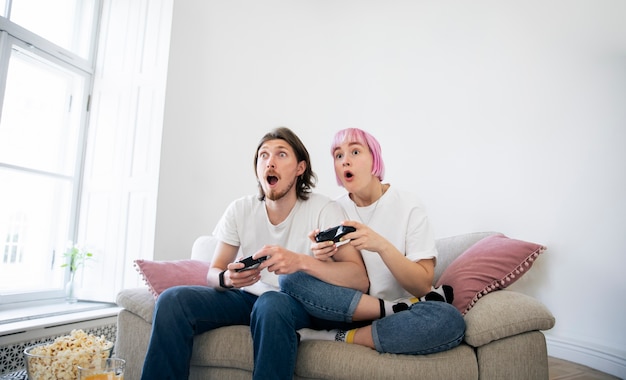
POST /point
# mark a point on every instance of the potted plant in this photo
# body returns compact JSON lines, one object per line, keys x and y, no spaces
{"x":75,"y":258}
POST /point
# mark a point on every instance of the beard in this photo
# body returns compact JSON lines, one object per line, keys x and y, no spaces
{"x":276,"y":194}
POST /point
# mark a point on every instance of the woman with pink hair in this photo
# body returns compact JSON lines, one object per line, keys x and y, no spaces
{"x":401,"y":313}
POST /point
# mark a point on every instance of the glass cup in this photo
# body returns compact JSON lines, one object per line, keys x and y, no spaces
{"x":105,"y":369}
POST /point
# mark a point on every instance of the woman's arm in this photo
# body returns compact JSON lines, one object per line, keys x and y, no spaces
{"x":414,"y":277}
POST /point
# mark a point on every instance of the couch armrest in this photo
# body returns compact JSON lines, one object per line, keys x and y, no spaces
{"x":502,"y":314}
{"x":138,"y":301}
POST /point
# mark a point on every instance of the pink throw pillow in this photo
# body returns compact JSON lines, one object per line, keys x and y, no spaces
{"x":493,"y":263}
{"x":160,"y":275}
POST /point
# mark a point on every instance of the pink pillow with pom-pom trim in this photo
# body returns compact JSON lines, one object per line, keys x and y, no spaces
{"x":493,"y":263}
{"x":160,"y":275}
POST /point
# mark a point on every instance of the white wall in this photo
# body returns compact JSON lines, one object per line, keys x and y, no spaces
{"x":501,"y":115}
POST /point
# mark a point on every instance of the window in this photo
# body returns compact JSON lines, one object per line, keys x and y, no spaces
{"x":46,"y":74}
{"x":80,"y":136}
{"x":66,"y":23}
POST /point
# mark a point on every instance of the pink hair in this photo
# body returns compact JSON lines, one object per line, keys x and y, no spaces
{"x":360,"y":136}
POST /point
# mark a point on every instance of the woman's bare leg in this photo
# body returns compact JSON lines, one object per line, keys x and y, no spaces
{"x":368,"y":309}
{"x":363,"y":337}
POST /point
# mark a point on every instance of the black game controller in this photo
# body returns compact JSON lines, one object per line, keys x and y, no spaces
{"x":334,"y":234}
{"x":250,"y":263}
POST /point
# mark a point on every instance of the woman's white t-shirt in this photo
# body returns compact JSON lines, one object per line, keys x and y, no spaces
{"x":401,"y":218}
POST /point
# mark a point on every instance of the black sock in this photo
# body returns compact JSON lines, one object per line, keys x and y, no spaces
{"x":444,"y":293}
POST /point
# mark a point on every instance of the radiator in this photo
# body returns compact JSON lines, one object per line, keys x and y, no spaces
{"x":12,"y":346}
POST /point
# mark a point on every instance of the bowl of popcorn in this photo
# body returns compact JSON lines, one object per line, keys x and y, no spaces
{"x":60,"y":359}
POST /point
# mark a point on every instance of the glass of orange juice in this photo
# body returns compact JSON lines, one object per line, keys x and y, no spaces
{"x":105,"y":369}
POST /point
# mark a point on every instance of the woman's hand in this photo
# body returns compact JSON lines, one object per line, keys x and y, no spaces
{"x":365,"y":238}
{"x":414,"y":277}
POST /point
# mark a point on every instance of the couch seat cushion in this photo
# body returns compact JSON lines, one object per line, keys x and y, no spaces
{"x":341,"y":361}
{"x":231,"y":347}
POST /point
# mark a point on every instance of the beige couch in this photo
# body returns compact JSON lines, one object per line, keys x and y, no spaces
{"x":503,"y":339}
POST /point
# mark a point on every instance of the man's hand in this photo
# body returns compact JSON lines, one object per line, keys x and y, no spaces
{"x":280,"y":260}
{"x":240,"y":279}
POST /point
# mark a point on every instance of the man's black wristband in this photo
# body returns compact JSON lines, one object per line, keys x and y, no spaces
{"x":222,"y":284}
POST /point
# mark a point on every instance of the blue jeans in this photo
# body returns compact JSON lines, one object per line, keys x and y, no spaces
{"x":425,"y":328}
{"x":185,"y":311}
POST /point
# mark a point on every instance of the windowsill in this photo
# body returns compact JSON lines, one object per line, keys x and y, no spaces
{"x":37,"y":314}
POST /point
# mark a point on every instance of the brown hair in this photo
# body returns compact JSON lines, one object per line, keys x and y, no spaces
{"x":306,"y":181}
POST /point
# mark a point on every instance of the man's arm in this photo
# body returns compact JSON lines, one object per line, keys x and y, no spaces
{"x":225,"y":255}
{"x":347,"y":269}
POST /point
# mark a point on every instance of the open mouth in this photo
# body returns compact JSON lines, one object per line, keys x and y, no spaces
{"x":272,"y":180}
{"x":348,"y":175}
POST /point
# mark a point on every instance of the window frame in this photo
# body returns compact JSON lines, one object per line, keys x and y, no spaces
{"x":118,"y":200}
{"x":67,"y":56}
{"x":12,"y":34}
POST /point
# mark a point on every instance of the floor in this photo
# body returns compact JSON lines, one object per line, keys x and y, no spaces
{"x":564,"y":370}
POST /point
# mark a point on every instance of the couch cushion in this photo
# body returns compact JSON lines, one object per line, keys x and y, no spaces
{"x":232,"y":347}
{"x":341,"y":361}
{"x":451,"y":247}
{"x":204,"y":247}
{"x":502,"y":314}
{"x":229,"y":346}
{"x":160,"y":275}
{"x":493,"y":263}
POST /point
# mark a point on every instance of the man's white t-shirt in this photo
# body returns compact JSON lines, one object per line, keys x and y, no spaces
{"x":245,"y":224}
{"x":401,"y":218}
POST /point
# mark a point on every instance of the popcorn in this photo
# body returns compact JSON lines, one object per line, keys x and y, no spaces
{"x":60,"y":359}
